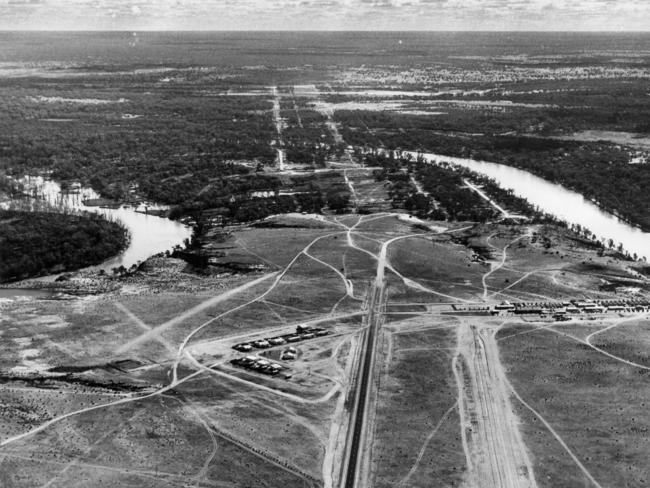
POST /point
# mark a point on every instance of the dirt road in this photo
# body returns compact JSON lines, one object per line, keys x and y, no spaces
{"x":482,"y":194}
{"x":497,"y":455}
{"x":279,"y":124}
{"x":357,"y":458}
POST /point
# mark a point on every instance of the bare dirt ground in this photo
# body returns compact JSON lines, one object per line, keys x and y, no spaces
{"x":491,"y":436}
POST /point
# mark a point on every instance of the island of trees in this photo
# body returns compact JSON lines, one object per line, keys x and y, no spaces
{"x":40,"y":243}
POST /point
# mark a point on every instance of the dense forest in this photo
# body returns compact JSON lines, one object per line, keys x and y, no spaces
{"x":40,"y":243}
{"x":254,"y":196}
{"x":306,"y":138}
{"x":448,"y":197}
{"x":166,"y":149}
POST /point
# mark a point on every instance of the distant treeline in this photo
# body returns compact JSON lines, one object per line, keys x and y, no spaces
{"x":168,"y":154}
{"x":40,"y":243}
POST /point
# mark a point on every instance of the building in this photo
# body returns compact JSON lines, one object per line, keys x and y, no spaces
{"x":616,"y":308}
{"x":504,"y":306}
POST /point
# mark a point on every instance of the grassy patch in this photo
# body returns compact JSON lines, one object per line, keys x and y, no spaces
{"x":596,"y":404}
{"x":410,"y":406}
{"x":630,"y":341}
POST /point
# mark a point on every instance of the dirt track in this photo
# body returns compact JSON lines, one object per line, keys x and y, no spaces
{"x":497,"y":456}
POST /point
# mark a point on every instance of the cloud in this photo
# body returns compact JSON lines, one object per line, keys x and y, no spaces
{"x":325,"y":14}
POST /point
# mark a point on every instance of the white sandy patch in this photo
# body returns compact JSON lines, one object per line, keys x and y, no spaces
{"x":133,"y":290}
{"x":631,"y":290}
{"x":51,"y":322}
{"x":414,"y":220}
{"x":495,"y":103}
{"x":29,"y":353}
{"x":429,"y":107}
{"x":311,"y":90}
{"x":399,"y":106}
{"x":420,"y":112}
{"x":30,"y":363}
{"x":305,"y":91}
{"x":410,"y":94}
{"x":80,"y":101}
{"x":638,"y":160}
{"x":372,"y":106}
{"x":309,"y":216}
{"x":57,"y":69}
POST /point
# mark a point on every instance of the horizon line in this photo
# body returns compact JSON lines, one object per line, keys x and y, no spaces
{"x":473,"y":31}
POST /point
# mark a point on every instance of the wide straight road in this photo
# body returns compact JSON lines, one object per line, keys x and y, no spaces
{"x":357,"y":444}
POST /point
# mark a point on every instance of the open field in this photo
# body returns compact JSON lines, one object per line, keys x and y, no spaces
{"x":417,"y":398}
{"x":628,"y":341}
{"x":593,"y":403}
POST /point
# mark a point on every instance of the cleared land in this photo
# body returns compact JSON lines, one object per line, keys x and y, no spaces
{"x":153,"y":361}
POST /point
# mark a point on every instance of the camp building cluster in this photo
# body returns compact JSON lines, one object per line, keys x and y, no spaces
{"x":564,"y":310}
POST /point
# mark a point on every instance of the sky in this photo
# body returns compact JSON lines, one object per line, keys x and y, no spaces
{"x":567,"y":15}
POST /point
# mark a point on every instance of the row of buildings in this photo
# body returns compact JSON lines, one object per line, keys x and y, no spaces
{"x":302,"y":333}
{"x":557,"y":310}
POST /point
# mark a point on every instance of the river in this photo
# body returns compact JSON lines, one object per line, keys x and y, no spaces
{"x":149,"y":234}
{"x":556,"y":200}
